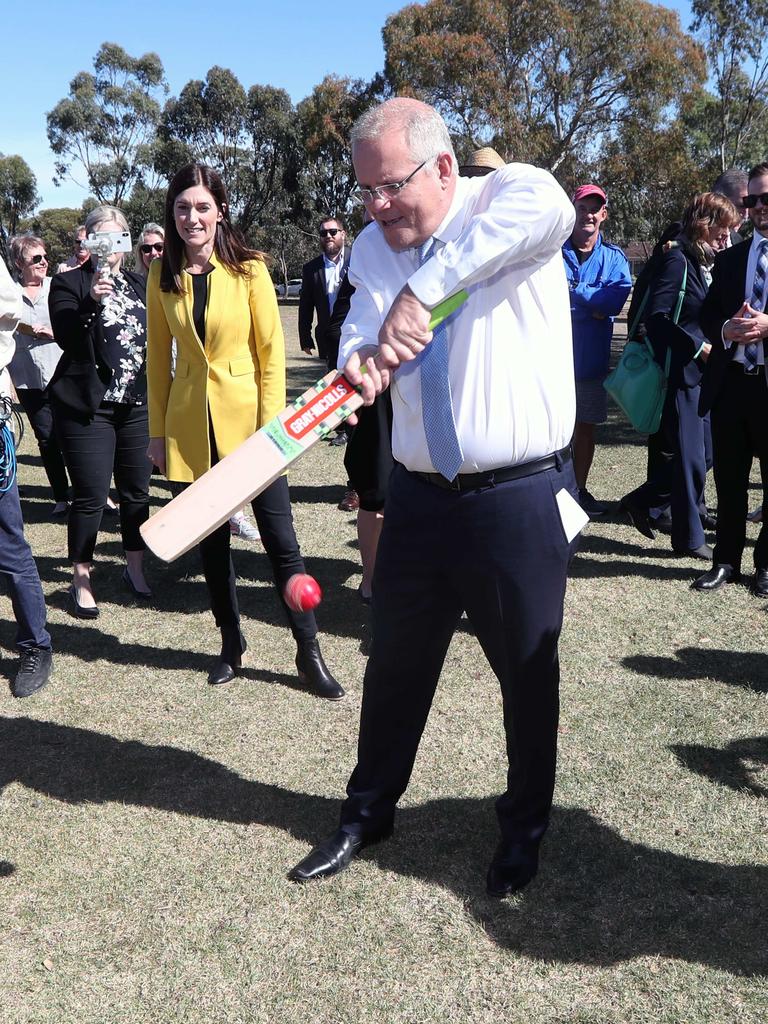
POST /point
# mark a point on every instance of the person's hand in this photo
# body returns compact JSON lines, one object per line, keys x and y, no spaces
{"x":746,"y":327}
{"x":363,"y":369}
{"x":156,"y":453}
{"x":405,"y":331}
{"x":102,"y":285}
{"x":43,"y":333}
{"x":705,"y":350}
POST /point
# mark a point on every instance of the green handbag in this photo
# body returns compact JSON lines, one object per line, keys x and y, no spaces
{"x":638,"y":385}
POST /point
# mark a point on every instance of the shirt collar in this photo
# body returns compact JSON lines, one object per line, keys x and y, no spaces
{"x":449,"y":229}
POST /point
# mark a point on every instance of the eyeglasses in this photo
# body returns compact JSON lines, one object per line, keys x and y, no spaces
{"x":80,"y":243}
{"x":751,"y":201}
{"x":147,"y":249}
{"x":389,"y":191}
{"x":324,"y":232}
{"x":39,"y":257}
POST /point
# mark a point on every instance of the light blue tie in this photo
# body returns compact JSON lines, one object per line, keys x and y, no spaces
{"x":436,"y":408}
{"x":756,"y":300}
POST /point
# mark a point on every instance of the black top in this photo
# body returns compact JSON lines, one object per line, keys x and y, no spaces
{"x":200,"y":301}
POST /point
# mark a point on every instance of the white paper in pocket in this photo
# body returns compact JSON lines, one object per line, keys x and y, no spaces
{"x":572,"y":515}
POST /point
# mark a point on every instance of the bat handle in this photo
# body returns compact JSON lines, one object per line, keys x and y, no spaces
{"x":448,"y":306}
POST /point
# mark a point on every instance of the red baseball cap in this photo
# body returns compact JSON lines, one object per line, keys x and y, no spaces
{"x":583,"y":191}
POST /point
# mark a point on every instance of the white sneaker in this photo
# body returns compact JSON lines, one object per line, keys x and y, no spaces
{"x":241,"y":526}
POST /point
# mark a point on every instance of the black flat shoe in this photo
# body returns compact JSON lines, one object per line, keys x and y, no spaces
{"x":230,"y":661}
{"x":314,"y":673}
{"x":145,"y":595}
{"x":512,"y":868}
{"x":704,"y":551}
{"x":78,"y":610}
{"x":717,"y":577}
{"x":638,"y":517}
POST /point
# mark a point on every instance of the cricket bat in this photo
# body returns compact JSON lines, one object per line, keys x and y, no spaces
{"x":243,"y":474}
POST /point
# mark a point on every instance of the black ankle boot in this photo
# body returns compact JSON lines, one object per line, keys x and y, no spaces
{"x":314,"y":673}
{"x":230,"y":660}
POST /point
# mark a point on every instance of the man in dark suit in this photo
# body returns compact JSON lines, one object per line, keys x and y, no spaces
{"x":734,"y":388}
{"x":320,"y":282}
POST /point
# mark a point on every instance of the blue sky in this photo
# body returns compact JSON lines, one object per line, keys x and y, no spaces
{"x":291,"y":44}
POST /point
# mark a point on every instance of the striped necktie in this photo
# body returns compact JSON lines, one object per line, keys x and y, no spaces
{"x":756,"y":301}
{"x":436,"y":406}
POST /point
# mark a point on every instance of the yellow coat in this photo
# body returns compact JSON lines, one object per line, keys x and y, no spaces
{"x":238,"y":375}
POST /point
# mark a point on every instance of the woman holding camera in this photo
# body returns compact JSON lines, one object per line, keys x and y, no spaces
{"x":99,"y":396}
{"x":215,"y":297}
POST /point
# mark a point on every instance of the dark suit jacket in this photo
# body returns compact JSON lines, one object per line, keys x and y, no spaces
{"x":684,"y":339}
{"x":314,"y":299}
{"x":84,"y":371}
{"x":724,"y":299}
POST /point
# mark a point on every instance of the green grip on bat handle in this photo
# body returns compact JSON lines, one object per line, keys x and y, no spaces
{"x":440,"y":312}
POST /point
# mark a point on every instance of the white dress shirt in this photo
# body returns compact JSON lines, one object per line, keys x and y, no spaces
{"x":510,"y":350}
{"x":333,"y":270}
{"x":738,"y":355}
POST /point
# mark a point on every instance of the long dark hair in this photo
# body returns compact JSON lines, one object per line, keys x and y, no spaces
{"x":229,"y":245}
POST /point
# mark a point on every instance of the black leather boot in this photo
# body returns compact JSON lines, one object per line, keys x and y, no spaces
{"x":230,"y":660}
{"x":314,"y":673}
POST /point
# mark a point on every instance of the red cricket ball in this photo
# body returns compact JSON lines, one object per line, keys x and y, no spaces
{"x":302,"y":593}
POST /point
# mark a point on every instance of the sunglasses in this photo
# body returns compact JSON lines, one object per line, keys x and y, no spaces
{"x":324,"y":232}
{"x":147,"y":249}
{"x":751,"y":201}
{"x":40,"y":257}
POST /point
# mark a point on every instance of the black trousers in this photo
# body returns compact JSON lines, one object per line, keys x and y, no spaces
{"x":739,"y":432}
{"x":680,"y":468}
{"x":501,"y":554}
{"x":113,"y":440}
{"x":37,"y":405}
{"x":272,"y":511}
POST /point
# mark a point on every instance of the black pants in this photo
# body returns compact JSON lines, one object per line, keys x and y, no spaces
{"x":272,"y":510}
{"x":115,"y":440}
{"x":37,"y":405}
{"x":739,"y":432}
{"x":502,"y":555}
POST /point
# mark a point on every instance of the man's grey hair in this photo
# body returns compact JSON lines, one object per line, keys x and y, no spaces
{"x":733,"y":184}
{"x":425,"y":131}
{"x":101,"y":215}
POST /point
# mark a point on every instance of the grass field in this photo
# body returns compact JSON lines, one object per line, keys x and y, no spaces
{"x":147,"y":820}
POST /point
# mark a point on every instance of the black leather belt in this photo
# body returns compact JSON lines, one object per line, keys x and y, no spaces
{"x":491,"y":477}
{"x":748,"y":371}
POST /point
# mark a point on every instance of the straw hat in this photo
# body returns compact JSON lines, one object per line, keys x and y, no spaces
{"x":482,"y":161}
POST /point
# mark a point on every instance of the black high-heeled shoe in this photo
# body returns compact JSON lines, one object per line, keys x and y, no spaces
{"x":230,"y":660}
{"x":144,"y":595}
{"x":78,"y":610}
{"x":314,"y":673}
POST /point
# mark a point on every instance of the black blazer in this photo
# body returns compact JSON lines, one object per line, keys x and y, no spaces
{"x":314,"y":299}
{"x":84,"y":371}
{"x":683,"y":339}
{"x":724,"y":298}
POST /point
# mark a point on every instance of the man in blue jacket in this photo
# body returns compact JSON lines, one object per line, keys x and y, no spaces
{"x":599,"y":279}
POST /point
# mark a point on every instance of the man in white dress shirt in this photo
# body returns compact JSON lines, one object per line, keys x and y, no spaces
{"x":481,"y":511}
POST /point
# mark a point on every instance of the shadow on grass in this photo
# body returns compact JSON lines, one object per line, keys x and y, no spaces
{"x":589,"y":568}
{"x":748,"y":669}
{"x":599,"y":899}
{"x":734,"y":766}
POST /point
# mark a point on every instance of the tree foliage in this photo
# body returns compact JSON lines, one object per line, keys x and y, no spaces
{"x":18,"y":192}
{"x":540,"y":84}
{"x":734,"y":34}
{"x":107,"y":124}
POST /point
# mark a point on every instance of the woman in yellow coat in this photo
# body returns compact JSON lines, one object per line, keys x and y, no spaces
{"x":214,"y":296}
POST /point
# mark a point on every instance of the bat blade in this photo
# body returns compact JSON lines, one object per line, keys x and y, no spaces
{"x":242,"y":475}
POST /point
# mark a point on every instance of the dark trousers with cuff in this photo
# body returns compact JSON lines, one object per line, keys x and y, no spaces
{"x":37,"y":405}
{"x":115,"y":440}
{"x":19,"y":574}
{"x":499,"y":553}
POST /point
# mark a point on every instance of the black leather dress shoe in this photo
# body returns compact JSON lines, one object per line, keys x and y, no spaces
{"x":328,"y":858}
{"x":638,"y":517}
{"x":704,"y":551}
{"x":708,"y":521}
{"x":717,"y":577}
{"x":760,"y":583}
{"x":512,"y":868}
{"x":314,"y":673}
